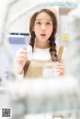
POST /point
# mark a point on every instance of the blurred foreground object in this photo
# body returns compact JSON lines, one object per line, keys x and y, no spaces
{"x":74,"y":42}
{"x":43,"y":96}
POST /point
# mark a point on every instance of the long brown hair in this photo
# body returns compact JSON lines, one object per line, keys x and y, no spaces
{"x":52,"y":43}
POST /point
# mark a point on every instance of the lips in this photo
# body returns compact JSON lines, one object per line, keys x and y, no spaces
{"x":43,"y":34}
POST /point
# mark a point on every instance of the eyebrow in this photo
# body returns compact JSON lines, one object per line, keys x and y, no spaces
{"x":41,"y":19}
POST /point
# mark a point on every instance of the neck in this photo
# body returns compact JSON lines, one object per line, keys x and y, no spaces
{"x":43,"y":45}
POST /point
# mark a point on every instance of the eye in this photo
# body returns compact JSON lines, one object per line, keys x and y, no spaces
{"x":39,"y":23}
{"x":48,"y":23}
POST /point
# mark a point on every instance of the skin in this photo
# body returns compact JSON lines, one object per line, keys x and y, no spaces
{"x":43,"y":29}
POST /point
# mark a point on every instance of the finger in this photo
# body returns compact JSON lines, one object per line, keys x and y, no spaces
{"x":21,"y":51}
{"x":60,"y":72}
{"x":21,"y":58}
{"x":22,"y":55}
{"x":59,"y":66}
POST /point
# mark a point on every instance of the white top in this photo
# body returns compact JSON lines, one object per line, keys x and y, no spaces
{"x":44,"y":54}
{"x":41,"y":54}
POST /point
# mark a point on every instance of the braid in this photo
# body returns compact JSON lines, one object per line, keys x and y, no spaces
{"x":53,"y":50}
{"x":32,"y":40}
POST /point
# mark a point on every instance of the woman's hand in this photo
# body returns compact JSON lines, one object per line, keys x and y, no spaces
{"x":21,"y":58}
{"x":60,"y":69}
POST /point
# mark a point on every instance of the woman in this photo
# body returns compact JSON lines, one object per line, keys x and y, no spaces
{"x":43,"y":28}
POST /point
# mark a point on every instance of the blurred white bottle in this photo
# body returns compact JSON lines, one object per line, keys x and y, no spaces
{"x":29,"y":52}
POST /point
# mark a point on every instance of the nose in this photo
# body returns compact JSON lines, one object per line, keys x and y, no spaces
{"x":43,"y":27}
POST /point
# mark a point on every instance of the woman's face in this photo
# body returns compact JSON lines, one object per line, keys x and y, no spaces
{"x":43,"y":26}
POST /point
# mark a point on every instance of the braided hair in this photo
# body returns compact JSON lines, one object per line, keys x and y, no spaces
{"x":52,"y":43}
